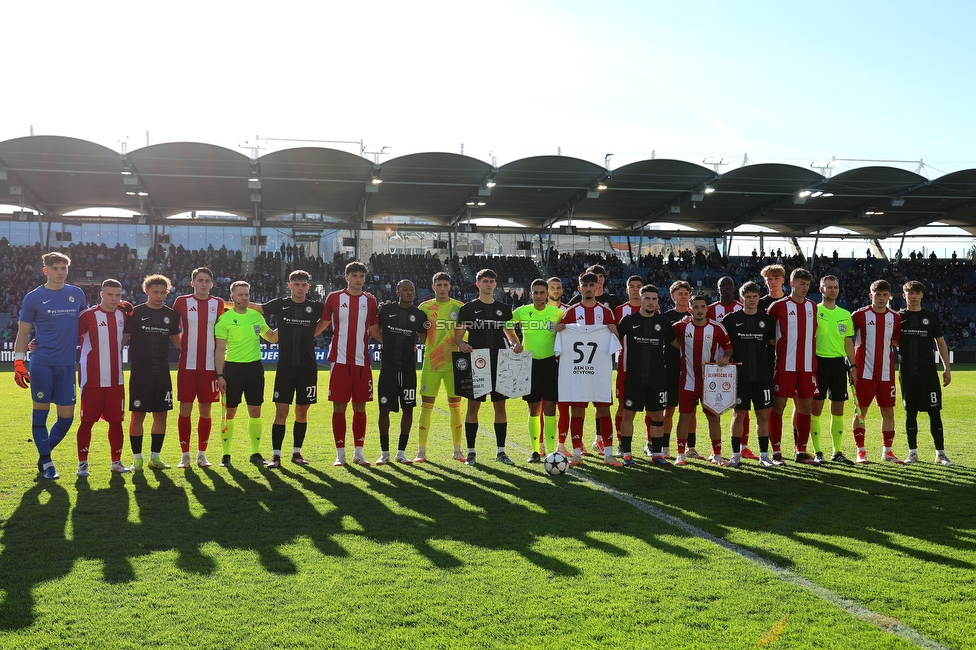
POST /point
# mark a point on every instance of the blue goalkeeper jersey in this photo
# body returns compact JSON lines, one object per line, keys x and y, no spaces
{"x":54,"y":314}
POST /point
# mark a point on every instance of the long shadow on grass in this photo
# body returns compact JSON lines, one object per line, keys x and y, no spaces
{"x":879,"y":505}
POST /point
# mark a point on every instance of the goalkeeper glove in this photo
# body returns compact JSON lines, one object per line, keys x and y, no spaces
{"x":126,"y":307}
{"x":21,"y":376}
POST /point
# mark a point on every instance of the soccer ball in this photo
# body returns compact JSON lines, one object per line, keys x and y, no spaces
{"x":556,"y":463}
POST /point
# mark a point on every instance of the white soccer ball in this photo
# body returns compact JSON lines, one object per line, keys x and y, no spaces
{"x":556,"y":463}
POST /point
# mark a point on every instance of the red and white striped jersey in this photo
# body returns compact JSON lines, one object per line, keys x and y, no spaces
{"x":875,"y":334}
{"x":717,"y":311}
{"x":699,"y":345}
{"x":351,"y":317}
{"x":197,"y":318}
{"x":595,"y":315}
{"x":101,"y":348}
{"x":796,"y":324}
{"x":625,"y":309}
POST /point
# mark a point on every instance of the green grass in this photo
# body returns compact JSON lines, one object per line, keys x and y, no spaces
{"x":443,"y":555}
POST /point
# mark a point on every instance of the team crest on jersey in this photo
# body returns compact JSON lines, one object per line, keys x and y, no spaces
{"x":657,"y":328}
{"x":454,"y":315}
{"x":413,"y":319}
{"x":498,"y":312}
{"x":925,"y":321}
{"x":842,"y":328}
{"x":71,"y":298}
{"x":257,"y":330}
{"x":762,"y":325}
{"x":308,"y":310}
{"x":166,"y":319}
{"x":550,"y":326}
{"x":362,"y":306}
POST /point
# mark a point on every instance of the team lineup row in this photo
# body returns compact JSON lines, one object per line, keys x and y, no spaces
{"x":783,"y":345}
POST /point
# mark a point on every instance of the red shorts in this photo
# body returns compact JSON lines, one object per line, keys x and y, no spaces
{"x":197,"y":386}
{"x":102,"y":403}
{"x":618,"y":391}
{"x":870,"y":389}
{"x":788,"y":383}
{"x":350,"y":383}
{"x":688,"y":400}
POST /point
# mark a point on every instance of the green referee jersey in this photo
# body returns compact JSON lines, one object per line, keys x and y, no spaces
{"x":538,"y":329}
{"x":242,"y":333}
{"x":833,"y":326}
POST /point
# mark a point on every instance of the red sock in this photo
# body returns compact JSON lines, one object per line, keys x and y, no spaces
{"x":203,"y":427}
{"x":717,"y":447}
{"x":647,"y":425}
{"x":339,"y":429}
{"x":115,"y":440}
{"x":84,"y":440}
{"x":859,"y":437}
{"x":359,"y":428}
{"x":745,"y":430}
{"x":576,"y":432}
{"x":775,"y":430}
{"x":606,"y":431}
{"x":562,"y":421}
{"x":183,"y":430}
{"x":802,"y":431}
{"x":617,"y":421}
{"x":889,"y":438}
{"x":682,"y":443}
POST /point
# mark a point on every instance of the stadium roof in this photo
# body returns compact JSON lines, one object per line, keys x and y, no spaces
{"x":56,"y":175}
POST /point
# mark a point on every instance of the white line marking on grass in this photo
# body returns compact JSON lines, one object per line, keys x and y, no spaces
{"x":882,"y":622}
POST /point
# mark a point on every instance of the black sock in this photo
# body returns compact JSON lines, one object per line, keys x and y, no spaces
{"x":402,"y":443}
{"x":692,"y":438}
{"x":156,"y":445}
{"x":657,"y":445}
{"x":736,"y":444}
{"x":763,"y":444}
{"x":625,"y":444}
{"x":135,"y":442}
{"x":665,"y":441}
{"x":935,"y":421}
{"x":501,"y":432}
{"x":298,"y":430}
{"x":471,"y":433}
{"x":911,"y":428}
{"x":385,"y":442}
{"x":277,"y":436}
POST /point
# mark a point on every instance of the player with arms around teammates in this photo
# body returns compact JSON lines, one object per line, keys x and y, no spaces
{"x":149,"y":332}
{"x":488,"y":325}
{"x":100,"y":373}
{"x":877,"y":329}
{"x":52,"y":309}
{"x":351,"y":313}
{"x":400,"y":324}
{"x":196,"y":378}
{"x":296,"y":378}
{"x":647,"y":335}
{"x":539,"y":322}
{"x":442,"y":315}
{"x":921,"y":390}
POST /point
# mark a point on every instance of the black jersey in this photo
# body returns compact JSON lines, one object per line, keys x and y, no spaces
{"x":648,"y":341}
{"x":485,"y":323}
{"x":768,"y":300}
{"x":296,"y":323}
{"x":751,"y":337}
{"x":149,"y":333}
{"x":400,"y":326}
{"x":919,"y":329}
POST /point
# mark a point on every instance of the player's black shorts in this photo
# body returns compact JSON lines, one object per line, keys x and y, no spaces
{"x":673,"y":379}
{"x":544,"y":383}
{"x":245,"y":379}
{"x":832,"y":378}
{"x":397,"y":388}
{"x":645,"y":397}
{"x":296,"y":383}
{"x":758,"y":394}
{"x":150,"y":392}
{"x":921,"y":392}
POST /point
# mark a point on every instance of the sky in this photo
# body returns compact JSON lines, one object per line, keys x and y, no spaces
{"x":790,"y":82}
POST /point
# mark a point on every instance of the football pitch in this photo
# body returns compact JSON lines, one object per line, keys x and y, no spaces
{"x":443,"y":555}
